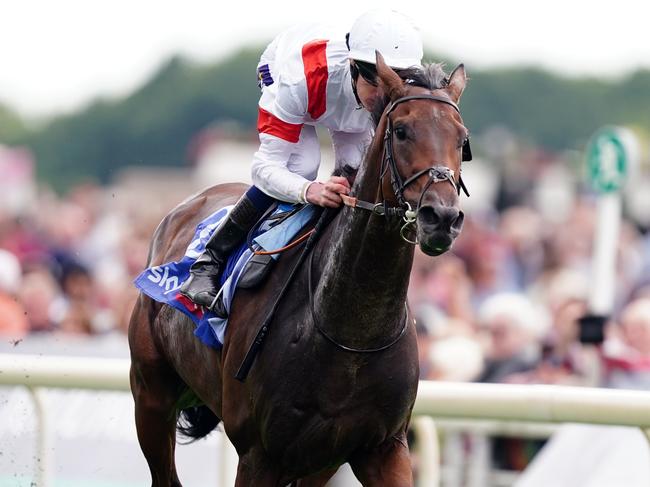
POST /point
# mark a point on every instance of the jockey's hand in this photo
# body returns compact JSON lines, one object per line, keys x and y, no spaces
{"x":328,"y":193}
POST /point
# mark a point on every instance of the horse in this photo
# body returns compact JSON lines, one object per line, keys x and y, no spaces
{"x":337,"y":377}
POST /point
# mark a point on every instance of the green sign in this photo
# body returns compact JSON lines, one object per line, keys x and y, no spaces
{"x":607,"y":160}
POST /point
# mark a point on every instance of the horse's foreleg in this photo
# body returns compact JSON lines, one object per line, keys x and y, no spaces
{"x":317,"y":480}
{"x":255,"y":470}
{"x":388,"y":465}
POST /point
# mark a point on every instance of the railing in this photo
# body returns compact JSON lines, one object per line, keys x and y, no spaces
{"x":488,"y":404}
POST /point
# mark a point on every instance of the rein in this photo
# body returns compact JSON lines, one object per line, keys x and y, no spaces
{"x":268,"y":215}
{"x":331,"y":339}
{"x":436,"y":173}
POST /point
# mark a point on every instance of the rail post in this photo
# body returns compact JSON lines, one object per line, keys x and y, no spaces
{"x":44,"y":446}
{"x":428,"y":451}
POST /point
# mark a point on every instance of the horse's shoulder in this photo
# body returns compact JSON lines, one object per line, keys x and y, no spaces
{"x":175,"y":230}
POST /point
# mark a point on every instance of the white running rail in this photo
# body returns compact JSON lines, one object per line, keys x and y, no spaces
{"x":499,"y":403}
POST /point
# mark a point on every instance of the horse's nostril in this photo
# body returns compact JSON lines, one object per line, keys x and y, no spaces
{"x":441,"y":217}
{"x":457,"y":224}
{"x":428,"y":215}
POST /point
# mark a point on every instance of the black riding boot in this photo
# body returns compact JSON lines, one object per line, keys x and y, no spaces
{"x":203,"y":284}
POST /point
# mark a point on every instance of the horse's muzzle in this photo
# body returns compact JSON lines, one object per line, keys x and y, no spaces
{"x":437,"y":227}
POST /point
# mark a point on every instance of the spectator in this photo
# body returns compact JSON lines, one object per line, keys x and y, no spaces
{"x":440,"y":290}
{"x":74,"y":309}
{"x":565,"y":360}
{"x":38,"y":293}
{"x":455,"y":358}
{"x":522,"y":229}
{"x":627,"y":350}
{"x":489,"y":261}
{"x":514,"y":327}
{"x":13,"y":322}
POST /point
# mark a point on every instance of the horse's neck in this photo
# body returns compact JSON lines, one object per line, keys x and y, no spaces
{"x":361,"y":293}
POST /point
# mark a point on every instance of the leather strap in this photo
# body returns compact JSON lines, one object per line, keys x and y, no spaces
{"x":353,"y":202}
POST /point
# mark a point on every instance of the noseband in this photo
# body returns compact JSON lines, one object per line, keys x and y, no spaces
{"x":436,"y":173}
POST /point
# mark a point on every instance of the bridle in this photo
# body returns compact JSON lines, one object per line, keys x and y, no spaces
{"x":436,"y":173}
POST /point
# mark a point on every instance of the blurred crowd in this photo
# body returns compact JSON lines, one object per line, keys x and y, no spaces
{"x":510,"y":297}
{"x":66,"y":263}
{"x":503,"y":306}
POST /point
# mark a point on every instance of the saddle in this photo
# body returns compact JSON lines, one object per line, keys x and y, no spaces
{"x":162,"y":282}
{"x":259,"y":266}
{"x":250,"y":264}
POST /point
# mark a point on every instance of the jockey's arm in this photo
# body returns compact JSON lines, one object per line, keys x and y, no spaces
{"x":270,"y":174}
{"x":270,"y":171}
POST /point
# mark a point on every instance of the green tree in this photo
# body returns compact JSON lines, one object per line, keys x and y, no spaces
{"x":154,"y":124}
{"x":12,"y":127}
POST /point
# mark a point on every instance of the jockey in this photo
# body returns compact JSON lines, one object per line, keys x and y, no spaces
{"x":309,"y":75}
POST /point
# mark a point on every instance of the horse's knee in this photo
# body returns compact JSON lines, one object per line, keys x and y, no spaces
{"x":255,"y":469}
{"x":316,"y":480}
{"x":388,"y":465}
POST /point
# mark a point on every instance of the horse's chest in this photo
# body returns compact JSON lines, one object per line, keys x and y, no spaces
{"x":322,"y":412}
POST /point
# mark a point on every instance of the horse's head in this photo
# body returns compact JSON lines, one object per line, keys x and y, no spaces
{"x":425,"y":143}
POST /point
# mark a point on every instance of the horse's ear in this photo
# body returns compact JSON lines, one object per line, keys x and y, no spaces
{"x":393,"y":84}
{"x":457,"y":82}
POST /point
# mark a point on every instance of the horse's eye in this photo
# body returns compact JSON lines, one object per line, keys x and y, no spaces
{"x":400,"y":133}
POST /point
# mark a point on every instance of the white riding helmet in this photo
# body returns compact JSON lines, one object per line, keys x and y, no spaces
{"x":391,"y":33}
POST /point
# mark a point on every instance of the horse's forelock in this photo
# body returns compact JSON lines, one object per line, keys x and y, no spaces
{"x":431,"y":76}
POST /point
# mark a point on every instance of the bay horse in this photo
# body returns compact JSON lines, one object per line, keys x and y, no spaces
{"x":337,"y":377}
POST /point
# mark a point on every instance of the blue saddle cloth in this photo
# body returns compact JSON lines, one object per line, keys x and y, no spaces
{"x":162,"y":283}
